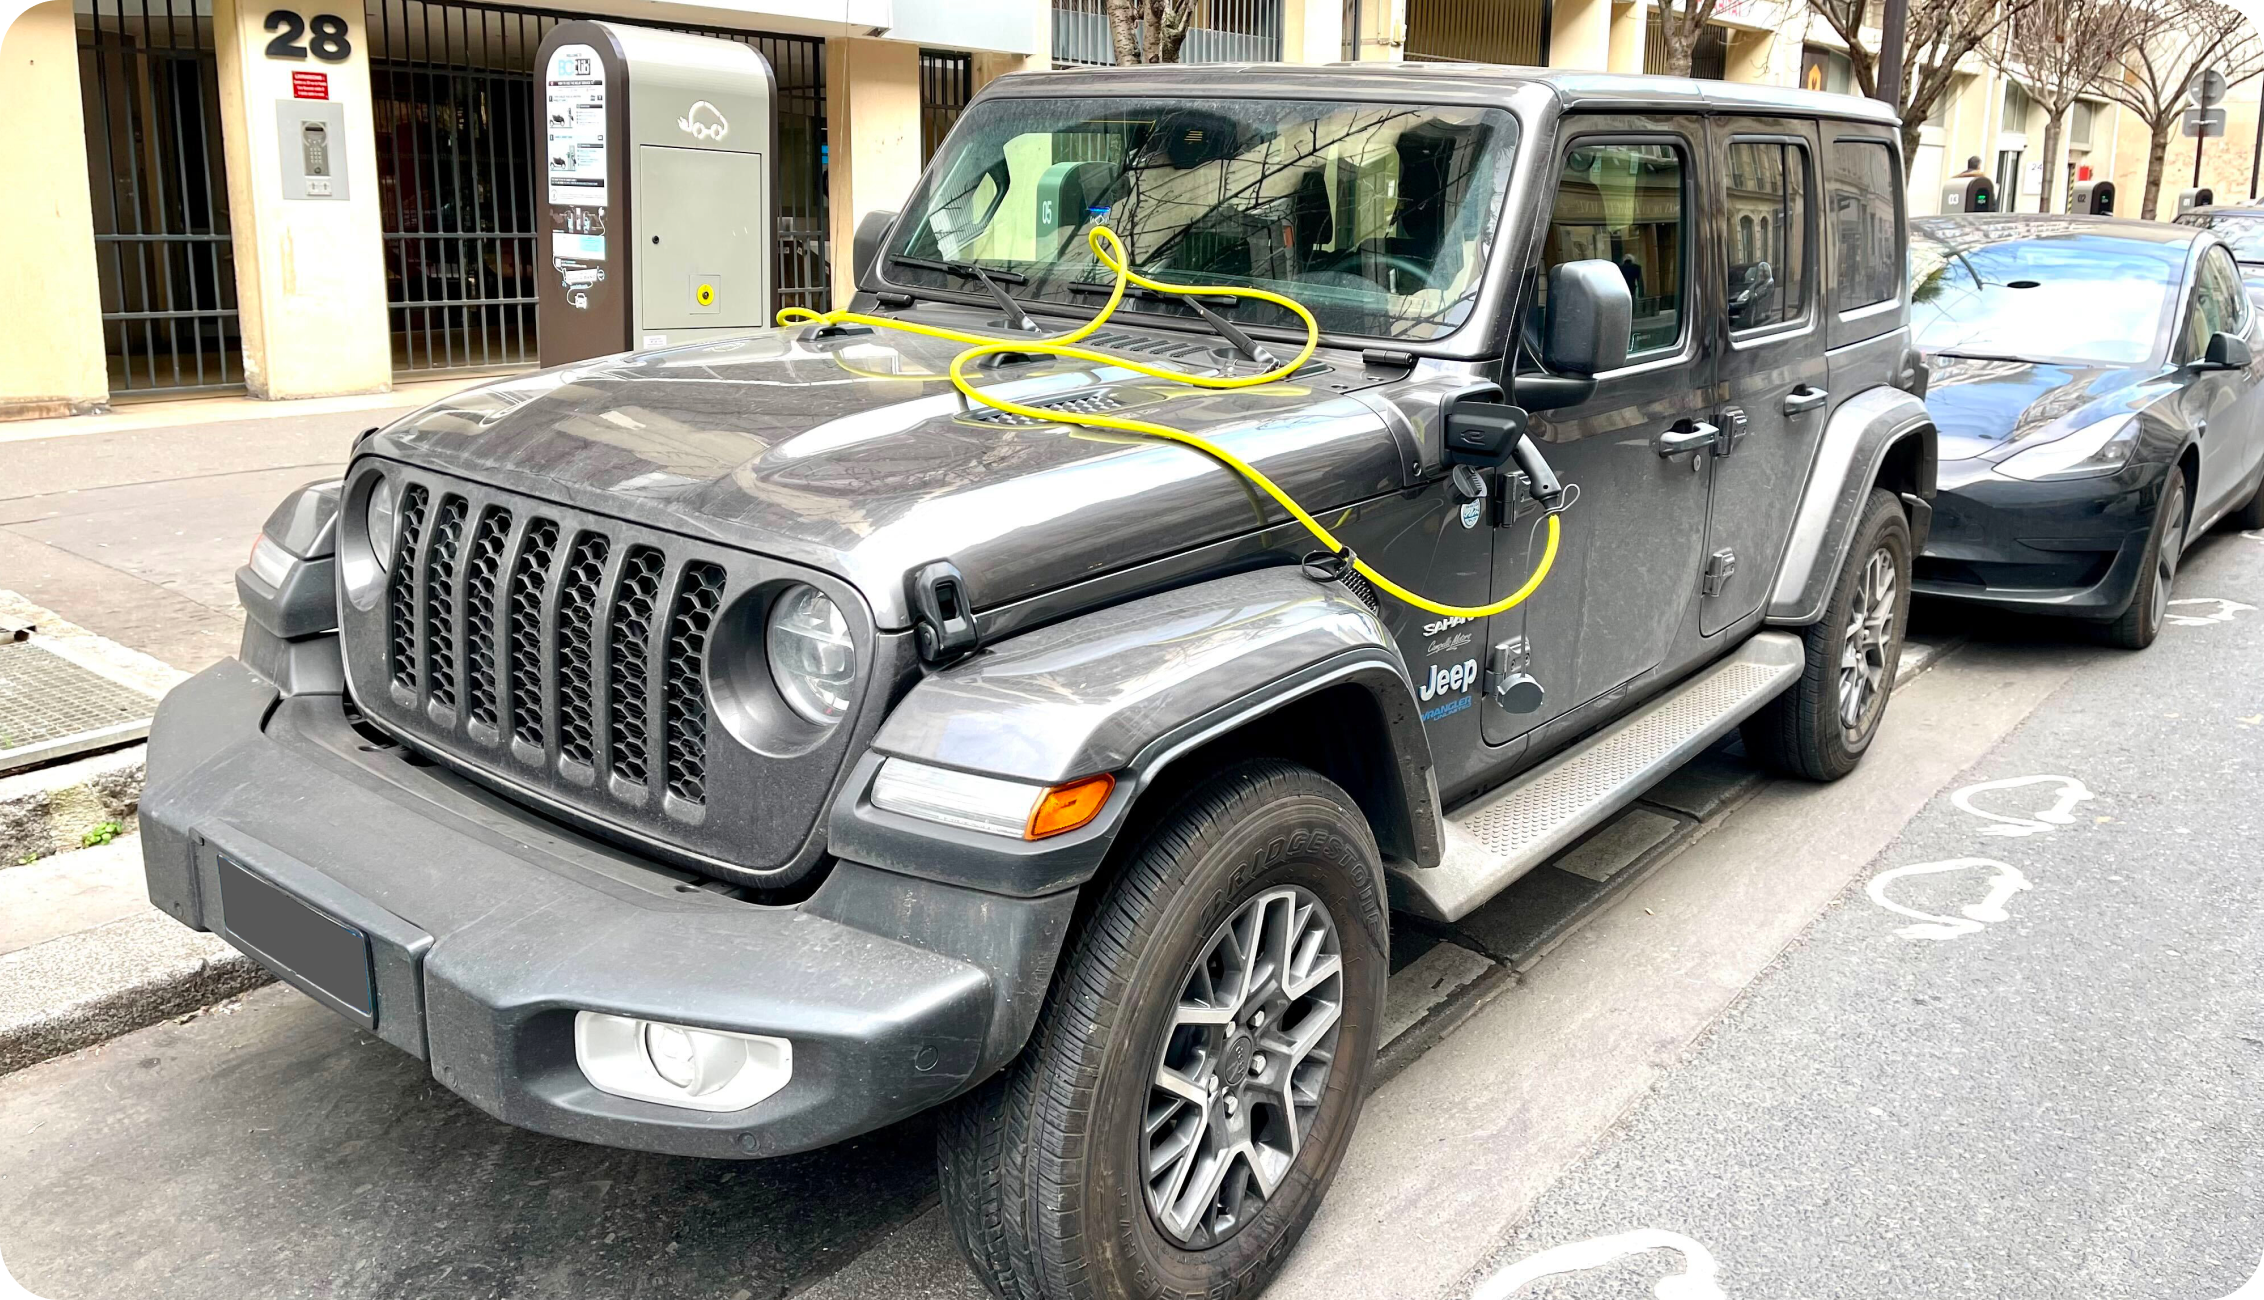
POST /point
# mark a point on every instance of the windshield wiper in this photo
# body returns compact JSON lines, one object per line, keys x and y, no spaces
{"x":1016,"y":318}
{"x":1225,"y":328}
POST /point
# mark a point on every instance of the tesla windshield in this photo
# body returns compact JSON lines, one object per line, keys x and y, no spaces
{"x":2076,"y":295}
{"x":1376,"y":216}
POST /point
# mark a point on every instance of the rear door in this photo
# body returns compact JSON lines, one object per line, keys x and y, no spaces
{"x":1628,"y":190}
{"x":1772,"y":370}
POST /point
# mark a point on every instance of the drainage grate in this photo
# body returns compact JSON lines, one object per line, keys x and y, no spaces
{"x":52,"y":708}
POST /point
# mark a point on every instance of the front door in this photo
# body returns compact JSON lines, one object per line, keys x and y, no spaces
{"x":1772,"y":368}
{"x":1627,"y":190}
{"x":2221,"y":404}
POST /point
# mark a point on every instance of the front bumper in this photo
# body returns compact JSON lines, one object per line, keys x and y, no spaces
{"x":489,"y":928}
{"x":2073,"y":546}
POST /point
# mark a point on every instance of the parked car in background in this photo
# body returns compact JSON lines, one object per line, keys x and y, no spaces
{"x":2241,"y":226}
{"x":2096,"y":389}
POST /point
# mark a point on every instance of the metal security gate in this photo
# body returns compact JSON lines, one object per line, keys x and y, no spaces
{"x":453,"y":92}
{"x":1479,"y":31}
{"x":150,"y":86}
{"x":947,"y":82}
{"x":1224,"y":31}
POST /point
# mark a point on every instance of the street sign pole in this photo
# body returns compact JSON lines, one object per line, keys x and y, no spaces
{"x":2256,"y":156}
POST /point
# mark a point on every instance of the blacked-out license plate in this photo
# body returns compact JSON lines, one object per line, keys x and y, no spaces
{"x":331,"y":956}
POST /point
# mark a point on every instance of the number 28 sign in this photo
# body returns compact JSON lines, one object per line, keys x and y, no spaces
{"x":292,"y":40}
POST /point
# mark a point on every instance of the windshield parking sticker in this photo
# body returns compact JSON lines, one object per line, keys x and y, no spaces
{"x":2071,"y":793}
{"x":2007,"y":881}
{"x":2204,"y":610}
{"x":1696,"y":1281}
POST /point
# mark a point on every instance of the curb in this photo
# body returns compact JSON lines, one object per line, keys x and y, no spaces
{"x":52,"y":809}
{"x":87,"y":988}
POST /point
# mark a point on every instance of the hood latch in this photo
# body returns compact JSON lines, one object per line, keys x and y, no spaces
{"x":943,"y":615}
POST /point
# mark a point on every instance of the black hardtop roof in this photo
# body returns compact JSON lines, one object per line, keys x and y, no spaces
{"x":2226,"y":210}
{"x":2043,"y":225}
{"x":1464,"y":82}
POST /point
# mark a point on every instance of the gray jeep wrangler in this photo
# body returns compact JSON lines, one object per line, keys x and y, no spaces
{"x":728,"y":749}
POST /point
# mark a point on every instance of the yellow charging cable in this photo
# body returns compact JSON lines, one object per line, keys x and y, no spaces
{"x":1110,"y":251}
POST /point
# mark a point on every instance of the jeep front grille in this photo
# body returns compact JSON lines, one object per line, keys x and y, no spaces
{"x":608,"y":671}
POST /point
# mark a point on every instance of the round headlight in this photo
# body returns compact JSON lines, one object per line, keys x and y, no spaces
{"x":381,"y":521}
{"x":811,"y":656}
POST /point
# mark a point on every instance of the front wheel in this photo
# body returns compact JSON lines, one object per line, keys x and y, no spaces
{"x":1194,"y":1078}
{"x":2165,"y":546}
{"x":1821,"y":725}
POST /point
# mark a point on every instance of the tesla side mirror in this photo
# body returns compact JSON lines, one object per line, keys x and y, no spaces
{"x":864,"y":246}
{"x":2225,"y":352}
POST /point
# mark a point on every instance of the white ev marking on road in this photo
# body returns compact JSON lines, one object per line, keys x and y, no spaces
{"x":2072,"y":792}
{"x":2222,"y":613}
{"x":2254,"y":1290}
{"x":1696,"y":1282}
{"x":1991,"y":909}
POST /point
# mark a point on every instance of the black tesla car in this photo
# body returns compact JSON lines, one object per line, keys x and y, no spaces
{"x":2098,"y":394}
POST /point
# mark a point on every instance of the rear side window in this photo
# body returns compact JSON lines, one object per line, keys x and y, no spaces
{"x":1864,"y":186}
{"x":1624,"y":202}
{"x":1766,"y":232}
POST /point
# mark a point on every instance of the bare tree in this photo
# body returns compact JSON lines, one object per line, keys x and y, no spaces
{"x":1682,"y":22}
{"x":1941,"y":33}
{"x":2058,"y":50}
{"x":1149,"y":31}
{"x":2180,"y":40}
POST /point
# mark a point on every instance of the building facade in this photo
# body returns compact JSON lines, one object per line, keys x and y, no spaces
{"x":146,"y":171}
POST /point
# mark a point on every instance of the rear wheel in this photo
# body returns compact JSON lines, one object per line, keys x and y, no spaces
{"x":1195,"y":1076}
{"x":1821,"y":725}
{"x":2165,"y":546}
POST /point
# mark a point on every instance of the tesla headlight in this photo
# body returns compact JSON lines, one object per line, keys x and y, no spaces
{"x":381,"y":521}
{"x":812,"y":659}
{"x":2101,"y":447}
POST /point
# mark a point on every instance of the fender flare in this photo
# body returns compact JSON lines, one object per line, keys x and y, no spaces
{"x":1861,"y":433}
{"x":1129,"y":690}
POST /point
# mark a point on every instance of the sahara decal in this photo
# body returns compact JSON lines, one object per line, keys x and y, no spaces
{"x":1433,"y":629}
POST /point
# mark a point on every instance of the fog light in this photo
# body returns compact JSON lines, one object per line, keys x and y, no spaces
{"x":678,"y":1065}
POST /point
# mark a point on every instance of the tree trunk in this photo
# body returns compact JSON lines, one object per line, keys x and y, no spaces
{"x":1681,"y":45}
{"x":2157,"y":145}
{"x":1124,"y":31}
{"x":2054,"y":196}
{"x":1910,"y":148}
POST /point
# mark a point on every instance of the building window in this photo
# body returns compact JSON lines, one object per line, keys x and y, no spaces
{"x":1709,"y":59}
{"x":1824,"y":68}
{"x":1224,"y":31}
{"x":1476,"y":31}
{"x":947,"y":82}
{"x":2017,"y":106}
{"x":2008,"y":180}
{"x":2079,"y":124}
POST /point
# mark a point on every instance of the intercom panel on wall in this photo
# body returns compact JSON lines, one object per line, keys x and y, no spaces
{"x":310,"y":137}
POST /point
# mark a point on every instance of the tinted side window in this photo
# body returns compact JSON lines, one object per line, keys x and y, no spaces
{"x":1766,"y":232}
{"x":1624,"y":203}
{"x":1864,"y":184}
{"x":2217,"y":305}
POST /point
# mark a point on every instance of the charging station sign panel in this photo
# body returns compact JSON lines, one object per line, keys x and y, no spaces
{"x":574,"y":94}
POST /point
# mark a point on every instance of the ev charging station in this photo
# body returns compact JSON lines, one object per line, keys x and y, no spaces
{"x":659,"y":190}
{"x":2199,"y":197}
{"x":2096,"y":198}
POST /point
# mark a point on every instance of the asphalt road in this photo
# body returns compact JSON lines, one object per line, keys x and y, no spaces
{"x":2062,"y":1098}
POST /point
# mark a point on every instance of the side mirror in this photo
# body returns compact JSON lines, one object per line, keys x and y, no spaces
{"x":1591,"y":311}
{"x":864,"y":247}
{"x":2225,"y":352}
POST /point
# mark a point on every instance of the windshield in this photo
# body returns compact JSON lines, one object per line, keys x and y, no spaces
{"x":2025,"y":292}
{"x":1375,"y":216}
{"x":2245,"y":234}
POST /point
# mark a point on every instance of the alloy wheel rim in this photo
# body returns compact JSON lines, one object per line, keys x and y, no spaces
{"x":1869,"y":640}
{"x":2166,"y":555}
{"x":1244,"y":1065}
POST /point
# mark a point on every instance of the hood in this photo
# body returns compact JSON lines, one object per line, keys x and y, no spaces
{"x":856,"y":455}
{"x":1986,"y":407}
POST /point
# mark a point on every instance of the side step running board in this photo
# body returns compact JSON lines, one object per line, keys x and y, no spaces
{"x":1506,"y":833}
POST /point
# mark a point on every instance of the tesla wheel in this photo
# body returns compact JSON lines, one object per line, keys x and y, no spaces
{"x":2165,"y":546}
{"x":1195,"y":1075}
{"x":1821,"y":725}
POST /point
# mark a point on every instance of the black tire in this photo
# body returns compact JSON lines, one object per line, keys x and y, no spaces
{"x":1043,"y":1169}
{"x":2165,"y":546}
{"x":1802,"y":732}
